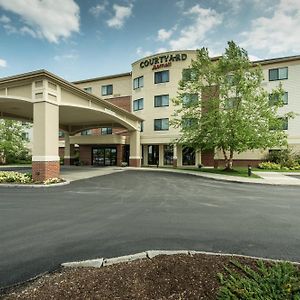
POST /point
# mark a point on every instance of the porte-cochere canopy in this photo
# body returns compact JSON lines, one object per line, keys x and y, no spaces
{"x":50,"y":103}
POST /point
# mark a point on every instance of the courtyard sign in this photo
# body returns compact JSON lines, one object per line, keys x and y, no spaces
{"x":162,"y":61}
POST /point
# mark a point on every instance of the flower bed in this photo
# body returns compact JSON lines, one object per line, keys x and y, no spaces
{"x":24,"y":178}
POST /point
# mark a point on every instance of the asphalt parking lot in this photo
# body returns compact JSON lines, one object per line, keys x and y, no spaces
{"x":132,"y":211}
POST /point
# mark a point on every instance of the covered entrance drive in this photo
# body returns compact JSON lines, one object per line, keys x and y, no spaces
{"x":51,"y":103}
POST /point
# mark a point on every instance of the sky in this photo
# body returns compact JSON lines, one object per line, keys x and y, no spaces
{"x":79,"y":39}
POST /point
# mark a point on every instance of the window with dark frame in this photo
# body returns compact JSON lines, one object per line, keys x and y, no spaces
{"x":189,"y":99}
{"x":161,"y":124}
{"x":106,"y":130}
{"x":88,"y":89}
{"x":161,"y":77}
{"x":273,"y":99}
{"x":278,"y":74}
{"x":107,"y":90}
{"x":138,"y":104}
{"x":138,"y":82}
{"x":161,"y":100}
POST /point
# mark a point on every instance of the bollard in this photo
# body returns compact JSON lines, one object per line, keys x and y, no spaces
{"x":249,"y":170}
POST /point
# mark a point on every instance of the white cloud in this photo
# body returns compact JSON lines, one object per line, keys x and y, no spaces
{"x":278,"y":33}
{"x":4,"y":19}
{"x":121,"y":13}
{"x":163,"y":34}
{"x":3,"y":63}
{"x":98,"y":9}
{"x":69,"y":56}
{"x":180,"y":4}
{"x":44,"y":18}
{"x":203,"y":20}
{"x":141,"y":53}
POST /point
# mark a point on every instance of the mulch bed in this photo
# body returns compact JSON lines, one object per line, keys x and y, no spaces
{"x":163,"y":277}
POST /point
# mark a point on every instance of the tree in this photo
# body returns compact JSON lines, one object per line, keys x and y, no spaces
{"x":221,"y":105}
{"x":13,"y":141}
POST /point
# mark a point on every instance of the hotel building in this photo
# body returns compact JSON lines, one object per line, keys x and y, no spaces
{"x":147,"y":91}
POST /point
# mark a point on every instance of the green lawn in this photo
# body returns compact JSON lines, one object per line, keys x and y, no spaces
{"x":239,"y":172}
{"x":283,"y":171}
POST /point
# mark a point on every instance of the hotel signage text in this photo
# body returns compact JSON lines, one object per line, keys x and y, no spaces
{"x":162,"y":61}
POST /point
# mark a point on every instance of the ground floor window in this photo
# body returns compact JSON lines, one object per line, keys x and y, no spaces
{"x":153,"y":154}
{"x":188,"y":156}
{"x":104,"y":156}
{"x":168,"y":154}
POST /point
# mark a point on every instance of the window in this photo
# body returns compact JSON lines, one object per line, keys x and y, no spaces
{"x":189,"y":122}
{"x":168,"y":154}
{"x":161,"y":124}
{"x":160,"y":77}
{"x":273,"y":99}
{"x":161,"y":100}
{"x":106,"y":130}
{"x":88,"y":89}
{"x":280,"y":124}
{"x":153,"y":155}
{"x":188,"y":74}
{"x":138,"y":82}
{"x":107,"y":90}
{"x":189,"y":99}
{"x":188,"y":156}
{"x":138,"y":104}
{"x":142,"y":126}
{"x":278,"y":74}
{"x":25,"y":136}
{"x":86,"y":132}
{"x":232,"y":102}
{"x":61,"y":134}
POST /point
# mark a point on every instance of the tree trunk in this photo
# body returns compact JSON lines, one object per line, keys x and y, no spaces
{"x":229,"y":162}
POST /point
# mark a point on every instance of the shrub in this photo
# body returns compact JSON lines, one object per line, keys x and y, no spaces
{"x":15,"y":177}
{"x":280,"y":281}
{"x":285,"y":157}
{"x":267,"y":165}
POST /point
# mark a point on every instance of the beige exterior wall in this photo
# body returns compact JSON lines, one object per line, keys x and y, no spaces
{"x":121,"y":86}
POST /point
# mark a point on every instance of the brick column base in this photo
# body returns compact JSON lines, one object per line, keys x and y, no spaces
{"x":134,"y":162}
{"x":43,"y":170}
{"x":174,"y":162}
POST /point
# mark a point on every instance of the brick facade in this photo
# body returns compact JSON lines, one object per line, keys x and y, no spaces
{"x":240,"y":162}
{"x":134,"y":162}
{"x":207,"y":158}
{"x":85,"y":155}
{"x":122,"y":102}
{"x":43,"y":170}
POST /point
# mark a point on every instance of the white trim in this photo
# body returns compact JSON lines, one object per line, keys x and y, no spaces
{"x":134,"y":157}
{"x":45,"y":158}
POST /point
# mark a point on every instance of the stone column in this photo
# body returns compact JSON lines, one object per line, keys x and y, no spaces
{"x":161,"y":155}
{"x":45,"y":158}
{"x":179,"y":156}
{"x":145,"y":155}
{"x":135,"y":149}
{"x":174,"y":156}
{"x":67,"y":155}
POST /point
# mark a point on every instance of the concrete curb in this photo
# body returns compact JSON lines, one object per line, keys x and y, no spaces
{"x":149,"y":254}
{"x":12,"y":185}
{"x":215,"y":177}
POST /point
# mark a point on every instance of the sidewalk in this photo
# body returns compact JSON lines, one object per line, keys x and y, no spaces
{"x":269,"y":178}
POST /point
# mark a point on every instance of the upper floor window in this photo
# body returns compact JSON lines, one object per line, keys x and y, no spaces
{"x":87,"y":89}
{"x":25,"y":136}
{"x":161,"y":124}
{"x":273,"y":99}
{"x":162,"y":76}
{"x":161,"y":100}
{"x":278,"y":74}
{"x":138,"y":104}
{"x":189,"y":99}
{"x":107,"y":90}
{"x":188,"y":74}
{"x":86,"y":132}
{"x":138,"y":82}
{"x":106,"y":130}
{"x":61,"y":134}
{"x":281,"y":124}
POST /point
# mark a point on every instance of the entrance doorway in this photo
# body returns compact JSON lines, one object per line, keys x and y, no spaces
{"x":153,"y":154}
{"x":104,"y":156}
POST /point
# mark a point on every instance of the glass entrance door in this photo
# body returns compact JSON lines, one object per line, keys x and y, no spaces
{"x":105,"y":156}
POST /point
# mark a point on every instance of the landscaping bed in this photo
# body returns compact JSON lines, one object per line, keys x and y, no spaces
{"x":163,"y":277}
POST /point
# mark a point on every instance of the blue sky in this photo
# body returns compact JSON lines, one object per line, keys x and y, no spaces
{"x":79,"y":39}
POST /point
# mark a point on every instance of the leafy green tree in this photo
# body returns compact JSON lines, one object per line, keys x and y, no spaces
{"x":13,"y":141}
{"x":221,"y":105}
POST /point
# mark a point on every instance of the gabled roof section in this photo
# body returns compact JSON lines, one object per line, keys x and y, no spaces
{"x":102,"y":78}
